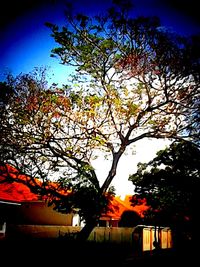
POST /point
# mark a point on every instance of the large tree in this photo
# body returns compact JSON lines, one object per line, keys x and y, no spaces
{"x":133,"y":79}
{"x":170,"y":185}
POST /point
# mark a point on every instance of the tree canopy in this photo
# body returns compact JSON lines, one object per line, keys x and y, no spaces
{"x":133,"y":79}
{"x":129,"y":218}
{"x":170,"y":185}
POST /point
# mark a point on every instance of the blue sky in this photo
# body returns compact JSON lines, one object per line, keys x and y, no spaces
{"x":26,"y":42}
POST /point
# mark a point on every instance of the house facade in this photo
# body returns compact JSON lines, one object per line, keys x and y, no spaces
{"x":19,"y":206}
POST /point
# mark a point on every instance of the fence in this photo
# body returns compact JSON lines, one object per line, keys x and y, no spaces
{"x":141,"y":237}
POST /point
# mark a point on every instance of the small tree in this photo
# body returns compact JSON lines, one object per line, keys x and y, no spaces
{"x":133,"y":80}
{"x":170,"y":184}
{"x":130,"y":218}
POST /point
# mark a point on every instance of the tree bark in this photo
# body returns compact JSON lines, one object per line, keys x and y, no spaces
{"x":86,"y":230}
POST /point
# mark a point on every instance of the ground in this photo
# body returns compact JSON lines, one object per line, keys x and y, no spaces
{"x":25,"y":252}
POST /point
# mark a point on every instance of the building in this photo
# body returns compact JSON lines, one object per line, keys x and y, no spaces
{"x":20,"y":206}
{"x":118,"y":207}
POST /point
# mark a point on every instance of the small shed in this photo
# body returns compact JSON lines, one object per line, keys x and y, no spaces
{"x":149,"y":238}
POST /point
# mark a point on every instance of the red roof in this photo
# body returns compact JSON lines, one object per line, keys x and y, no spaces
{"x":14,"y":191}
{"x":118,"y":206}
{"x":18,"y":192}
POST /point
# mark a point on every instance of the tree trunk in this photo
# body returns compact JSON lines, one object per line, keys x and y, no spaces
{"x":86,"y":230}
